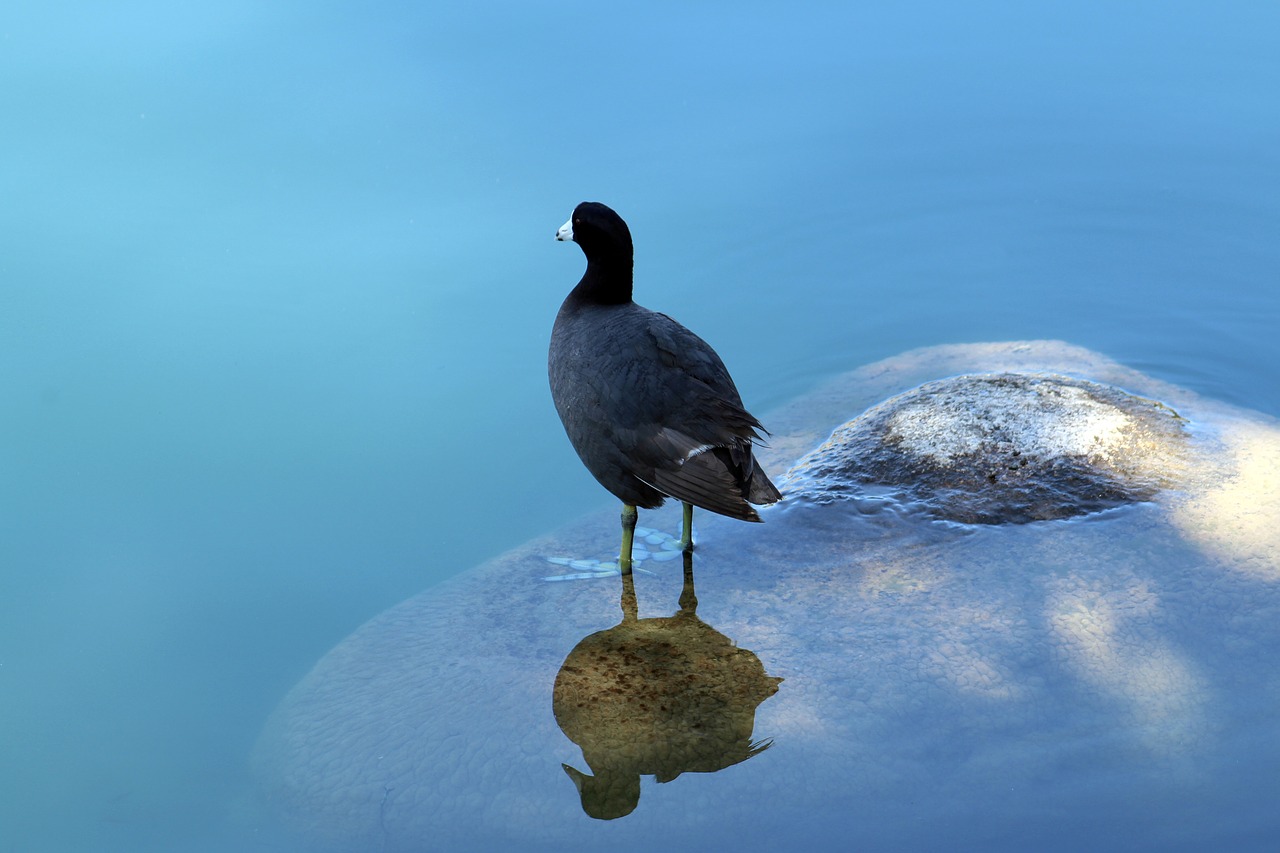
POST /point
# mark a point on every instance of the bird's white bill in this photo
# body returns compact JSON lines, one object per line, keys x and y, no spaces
{"x":566,"y":231}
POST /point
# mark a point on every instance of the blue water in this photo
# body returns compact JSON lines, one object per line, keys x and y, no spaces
{"x":276,"y":283}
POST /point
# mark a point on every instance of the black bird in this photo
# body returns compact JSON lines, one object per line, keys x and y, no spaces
{"x":648,"y":405}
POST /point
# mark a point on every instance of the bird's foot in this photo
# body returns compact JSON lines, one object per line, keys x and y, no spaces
{"x":650,"y":546}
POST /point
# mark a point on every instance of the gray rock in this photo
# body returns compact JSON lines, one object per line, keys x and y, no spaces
{"x":1005,"y":447}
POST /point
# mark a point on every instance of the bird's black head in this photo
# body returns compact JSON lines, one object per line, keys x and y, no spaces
{"x":606,"y":241}
{"x":598,"y":230}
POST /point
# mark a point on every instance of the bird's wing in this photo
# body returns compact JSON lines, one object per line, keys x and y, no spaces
{"x":707,"y":479}
{"x":712,"y":410}
{"x":698,"y":447}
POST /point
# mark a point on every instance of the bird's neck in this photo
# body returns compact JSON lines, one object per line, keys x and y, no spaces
{"x":607,"y":281}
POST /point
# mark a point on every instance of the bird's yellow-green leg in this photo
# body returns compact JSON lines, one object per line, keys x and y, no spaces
{"x":686,"y":534}
{"x":628,"y":533}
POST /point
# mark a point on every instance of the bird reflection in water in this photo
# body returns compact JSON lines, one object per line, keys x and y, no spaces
{"x":660,"y":697}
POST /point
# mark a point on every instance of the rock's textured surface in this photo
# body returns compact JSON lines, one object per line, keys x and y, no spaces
{"x":1003,"y":448}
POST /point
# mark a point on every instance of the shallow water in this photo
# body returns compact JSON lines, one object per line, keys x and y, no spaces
{"x":278,"y":283}
{"x":1101,"y":681}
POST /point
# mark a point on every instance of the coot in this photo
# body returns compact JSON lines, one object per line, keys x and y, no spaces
{"x":648,"y":405}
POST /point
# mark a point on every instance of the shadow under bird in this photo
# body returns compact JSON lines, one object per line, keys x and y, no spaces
{"x":647,"y":404}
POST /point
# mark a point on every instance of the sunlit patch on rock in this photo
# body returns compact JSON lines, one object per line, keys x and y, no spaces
{"x":1003,"y":448}
{"x":1236,"y":514}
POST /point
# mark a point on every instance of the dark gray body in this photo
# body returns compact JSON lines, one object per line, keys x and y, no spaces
{"x":652,"y":411}
{"x":647,"y":404}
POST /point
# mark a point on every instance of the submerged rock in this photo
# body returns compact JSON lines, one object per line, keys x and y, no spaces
{"x":1103,"y":678}
{"x":1003,"y":448}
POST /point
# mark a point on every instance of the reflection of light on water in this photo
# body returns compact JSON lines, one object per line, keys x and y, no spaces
{"x":959,"y":655}
{"x":799,"y":719}
{"x":1238,"y":518}
{"x":890,"y":578}
{"x":1107,"y":637}
{"x":971,"y":667}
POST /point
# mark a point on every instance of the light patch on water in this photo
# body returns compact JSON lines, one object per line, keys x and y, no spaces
{"x":1237,"y":518}
{"x":961,"y":665}
{"x":960,"y":656}
{"x":1107,"y":633}
{"x":665,"y":548}
{"x":888,"y":577}
{"x":782,"y":720}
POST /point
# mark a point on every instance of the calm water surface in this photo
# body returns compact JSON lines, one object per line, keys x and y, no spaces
{"x":276,"y":284}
